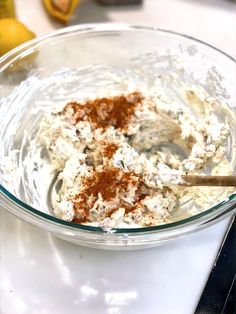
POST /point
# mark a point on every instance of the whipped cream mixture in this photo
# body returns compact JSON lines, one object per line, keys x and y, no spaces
{"x":119,"y":158}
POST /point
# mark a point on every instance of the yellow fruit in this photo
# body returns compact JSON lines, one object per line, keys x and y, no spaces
{"x":12,"y":34}
{"x":61,"y":9}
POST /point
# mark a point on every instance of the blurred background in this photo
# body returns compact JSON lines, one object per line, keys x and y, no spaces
{"x":213,"y":21}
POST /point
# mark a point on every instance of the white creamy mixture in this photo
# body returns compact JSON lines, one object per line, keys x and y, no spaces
{"x":116,"y":159}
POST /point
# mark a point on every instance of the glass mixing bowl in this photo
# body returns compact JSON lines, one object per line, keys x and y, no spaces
{"x":52,"y":69}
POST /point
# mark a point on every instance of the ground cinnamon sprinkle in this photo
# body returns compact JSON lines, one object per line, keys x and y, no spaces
{"x":109,"y":183}
{"x":106,"y":112}
{"x":109,"y":150}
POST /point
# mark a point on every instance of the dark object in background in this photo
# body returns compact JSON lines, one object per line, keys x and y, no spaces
{"x":118,"y":2}
{"x":219,"y":295}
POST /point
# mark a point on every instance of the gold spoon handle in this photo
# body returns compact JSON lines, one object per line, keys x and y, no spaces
{"x":202,"y":180}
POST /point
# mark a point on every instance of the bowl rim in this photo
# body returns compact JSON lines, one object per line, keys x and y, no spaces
{"x":103,"y":26}
{"x":197,"y":219}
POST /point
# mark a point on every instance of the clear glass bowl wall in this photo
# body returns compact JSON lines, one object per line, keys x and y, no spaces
{"x":45,"y":71}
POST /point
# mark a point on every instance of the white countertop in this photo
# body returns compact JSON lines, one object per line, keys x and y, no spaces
{"x":41,"y":274}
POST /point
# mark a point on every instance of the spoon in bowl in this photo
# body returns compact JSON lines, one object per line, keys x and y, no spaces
{"x":206,"y":180}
